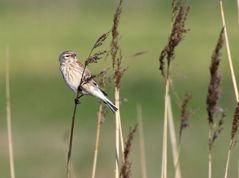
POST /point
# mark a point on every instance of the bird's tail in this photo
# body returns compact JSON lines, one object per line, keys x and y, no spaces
{"x":107,"y":102}
{"x":110,"y":105}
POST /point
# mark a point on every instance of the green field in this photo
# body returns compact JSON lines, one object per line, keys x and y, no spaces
{"x":36,"y":32}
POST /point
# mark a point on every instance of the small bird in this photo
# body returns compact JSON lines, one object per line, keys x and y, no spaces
{"x":72,"y":70}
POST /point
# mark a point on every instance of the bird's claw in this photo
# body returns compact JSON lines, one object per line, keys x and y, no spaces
{"x":77,"y":101}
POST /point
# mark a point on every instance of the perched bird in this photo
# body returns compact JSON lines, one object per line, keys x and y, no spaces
{"x":72,"y":70}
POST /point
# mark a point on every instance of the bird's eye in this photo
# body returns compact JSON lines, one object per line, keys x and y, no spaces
{"x":67,"y":55}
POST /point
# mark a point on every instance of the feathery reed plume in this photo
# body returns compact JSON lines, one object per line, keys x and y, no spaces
{"x":212,"y":98}
{"x":229,"y":52}
{"x":116,"y":55}
{"x":235,"y":124}
{"x":214,"y":92}
{"x":185,"y":115}
{"x":90,"y":59}
{"x":125,"y":171}
{"x":214,"y":89}
{"x":141,"y":142}
{"x":180,"y":12}
{"x":9,"y":116}
{"x":179,"y":15}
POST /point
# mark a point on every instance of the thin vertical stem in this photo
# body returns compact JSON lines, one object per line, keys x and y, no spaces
{"x":228,"y":159}
{"x":165,"y":131}
{"x":210,"y":152}
{"x":69,"y":164}
{"x":117,"y":132}
{"x":121,"y":137}
{"x":97,"y":140}
{"x":173,"y":139}
{"x":9,"y":117}
{"x":238,"y":11}
{"x":141,"y":142}
{"x":229,"y":52}
{"x":210,"y":164}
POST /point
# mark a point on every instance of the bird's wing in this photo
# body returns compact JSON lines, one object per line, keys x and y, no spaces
{"x":87,"y":72}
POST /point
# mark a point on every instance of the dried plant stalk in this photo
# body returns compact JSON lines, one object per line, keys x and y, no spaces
{"x":212,"y":100}
{"x":97,"y":140}
{"x":179,"y":13}
{"x":141,"y":142}
{"x":9,"y":117}
{"x":235,"y":124}
{"x":125,"y":171}
{"x":175,"y":148}
{"x":118,"y":73}
{"x":229,"y":52}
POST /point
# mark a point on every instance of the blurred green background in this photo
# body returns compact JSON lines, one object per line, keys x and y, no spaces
{"x":37,"y":31}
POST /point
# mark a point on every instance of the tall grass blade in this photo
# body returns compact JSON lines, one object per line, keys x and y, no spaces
{"x":9,"y":116}
{"x":172,"y":133}
{"x":141,"y":142}
{"x":97,"y":140}
{"x":229,"y":52}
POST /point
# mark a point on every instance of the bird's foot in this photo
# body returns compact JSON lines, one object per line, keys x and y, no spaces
{"x":77,"y":101}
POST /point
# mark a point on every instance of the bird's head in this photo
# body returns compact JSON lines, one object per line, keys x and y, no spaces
{"x":67,"y":56}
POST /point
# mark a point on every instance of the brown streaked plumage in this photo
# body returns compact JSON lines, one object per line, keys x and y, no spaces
{"x":72,"y":70}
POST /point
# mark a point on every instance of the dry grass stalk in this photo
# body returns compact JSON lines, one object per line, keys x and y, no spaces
{"x":229,"y":52}
{"x":97,"y":140}
{"x":118,"y":73}
{"x":238,"y":15}
{"x":125,"y":171}
{"x":9,"y":117}
{"x":90,"y":59}
{"x":185,"y":115}
{"x":235,"y":124}
{"x":212,"y":99}
{"x":141,"y":142}
{"x":175,"y":148}
{"x":101,"y":115}
{"x":179,"y":15}
{"x":165,"y":132}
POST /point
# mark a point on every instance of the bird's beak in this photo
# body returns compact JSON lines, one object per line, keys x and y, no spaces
{"x":73,"y":55}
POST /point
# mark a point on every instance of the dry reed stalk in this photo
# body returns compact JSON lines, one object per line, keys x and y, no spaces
{"x":229,"y":51}
{"x":238,"y":15}
{"x":118,"y":73}
{"x":165,"y":133}
{"x":101,"y":115}
{"x":212,"y":100}
{"x":172,"y":133}
{"x":179,"y":15}
{"x":141,"y":142}
{"x":90,"y":59}
{"x":9,"y":116}
{"x":69,"y":163}
{"x":125,"y":171}
{"x":97,"y":140}
{"x":234,"y":129}
{"x":117,"y":133}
